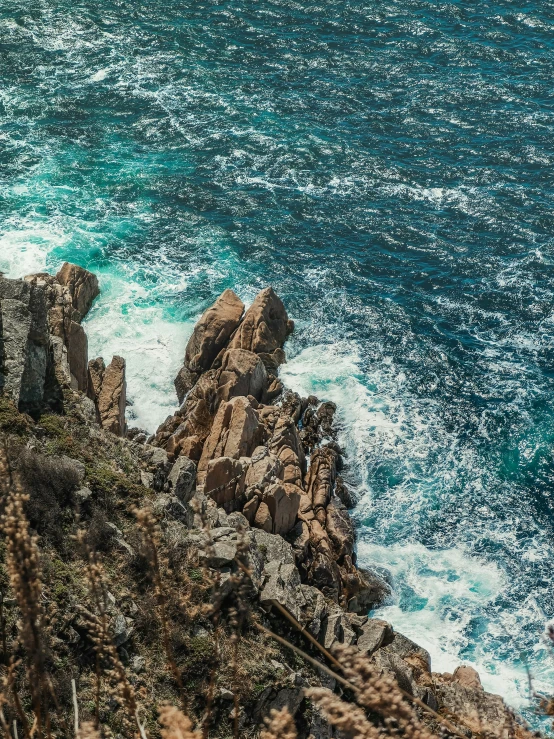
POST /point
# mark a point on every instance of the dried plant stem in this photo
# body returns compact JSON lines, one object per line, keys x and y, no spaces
{"x":351,"y":686}
{"x":75,"y":706}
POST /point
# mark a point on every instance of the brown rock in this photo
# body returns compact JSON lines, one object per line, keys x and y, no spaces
{"x":263,"y":519}
{"x":184,"y":382}
{"x":320,"y":479}
{"x":77,"y":355}
{"x":242,"y":373}
{"x":264,"y":468}
{"x":224,"y":481}
{"x":282,"y":501}
{"x":212,"y":331}
{"x":235,"y":433}
{"x":286,"y":445}
{"x":467,"y":676}
{"x":111,"y":399}
{"x":82,"y":286}
{"x":265,"y":325}
{"x":340,"y":529}
{"x":96,"y":369}
{"x":250,"y":509}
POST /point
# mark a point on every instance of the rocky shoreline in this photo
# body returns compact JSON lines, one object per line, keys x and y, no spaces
{"x":242,"y":456}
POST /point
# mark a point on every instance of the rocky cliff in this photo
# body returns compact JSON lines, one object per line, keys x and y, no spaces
{"x":243,"y":478}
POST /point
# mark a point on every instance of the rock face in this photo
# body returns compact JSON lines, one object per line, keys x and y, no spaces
{"x":251,"y":441}
{"x":210,"y":336}
{"x":69,"y":296}
{"x":108,"y":389}
{"x":25,"y":352}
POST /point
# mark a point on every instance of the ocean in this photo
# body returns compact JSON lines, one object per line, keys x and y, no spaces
{"x":387,"y":167}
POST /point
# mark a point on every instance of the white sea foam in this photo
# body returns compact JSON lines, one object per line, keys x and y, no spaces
{"x":437,"y":593}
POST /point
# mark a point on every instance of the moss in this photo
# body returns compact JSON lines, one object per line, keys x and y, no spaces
{"x":107,"y":484}
{"x":196,"y":574}
{"x":11,"y":420}
{"x":54,"y":426}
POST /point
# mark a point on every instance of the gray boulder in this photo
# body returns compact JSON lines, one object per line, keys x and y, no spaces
{"x":182,"y":479}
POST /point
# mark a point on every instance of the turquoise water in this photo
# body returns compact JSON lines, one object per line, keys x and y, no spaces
{"x":387,"y":166}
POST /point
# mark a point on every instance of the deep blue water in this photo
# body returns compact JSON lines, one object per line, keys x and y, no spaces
{"x":387,"y":166}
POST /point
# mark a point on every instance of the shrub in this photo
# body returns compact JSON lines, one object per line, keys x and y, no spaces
{"x":50,"y":484}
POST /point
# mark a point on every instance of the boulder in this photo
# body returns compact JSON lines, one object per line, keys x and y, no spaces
{"x":480,"y":712}
{"x":285,"y":444}
{"x":111,"y":400}
{"x":282,"y":586}
{"x":242,"y":373}
{"x":182,"y":479}
{"x":265,"y":325}
{"x":263,"y":519}
{"x":340,"y":529}
{"x":184,"y":382}
{"x":224,"y":481}
{"x":336,"y":629}
{"x":375,"y":634}
{"x":213,"y":331}
{"x":467,"y":676}
{"x":282,"y":500}
{"x":264,"y":468}
{"x":69,"y":297}
{"x":320,"y":479}
{"x":82,"y":286}
{"x":235,"y":433}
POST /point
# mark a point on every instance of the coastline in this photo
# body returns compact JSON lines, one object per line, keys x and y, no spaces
{"x":237,"y":451}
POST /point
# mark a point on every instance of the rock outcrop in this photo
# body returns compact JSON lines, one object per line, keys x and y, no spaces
{"x":25,"y":354}
{"x":69,"y":296}
{"x":108,"y":390}
{"x":250,"y":444}
{"x":242,"y":472}
{"x":210,"y":336}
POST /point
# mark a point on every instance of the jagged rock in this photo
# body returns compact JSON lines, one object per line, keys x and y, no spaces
{"x":242,"y":373}
{"x":282,"y":501}
{"x":193,"y":420}
{"x":407,"y":649}
{"x":220,"y":554}
{"x":467,"y":676}
{"x":286,"y":445}
{"x":320,"y":479}
{"x":263,"y":519}
{"x":96,"y":369}
{"x":157,"y":463}
{"x":225,"y":480}
{"x":273,"y":548}
{"x":235,"y":433}
{"x":282,"y":586}
{"x":237,"y":521}
{"x":24,"y":344}
{"x":314,"y":609}
{"x":336,"y":629}
{"x":213,"y":331}
{"x":344,"y":494}
{"x":166,"y":506}
{"x":394,"y":665}
{"x":375,"y":634}
{"x":264,"y":468}
{"x":183,"y":479}
{"x":82,"y":286}
{"x":483,"y":713}
{"x":340,"y":529}
{"x":111,"y":399}
{"x":368,"y":589}
{"x":265,"y":325}
{"x":184,"y":382}
{"x":69,"y":296}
